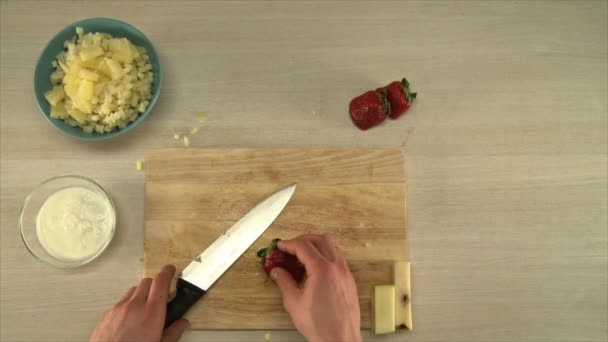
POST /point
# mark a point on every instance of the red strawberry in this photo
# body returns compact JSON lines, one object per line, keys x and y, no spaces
{"x":399,"y":96}
{"x":369,"y":109}
{"x":272,"y":257}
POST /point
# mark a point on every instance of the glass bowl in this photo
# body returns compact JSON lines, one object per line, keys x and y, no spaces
{"x":29,"y":214}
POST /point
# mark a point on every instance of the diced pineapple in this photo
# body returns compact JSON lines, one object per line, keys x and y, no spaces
{"x":71,"y":89}
{"x":63,"y":66}
{"x":121,"y":50}
{"x":104,"y":69}
{"x":91,"y":63}
{"x":85,"y":107}
{"x":90,"y":52}
{"x":85,"y":91}
{"x":89,"y":75}
{"x":115,"y":69}
{"x":142,"y":106}
{"x":55,"y":95}
{"x":77,"y":115}
{"x":71,"y":77}
{"x":57,"y":76}
{"x":59,"y":112}
{"x":135,"y":52}
{"x":99,"y":86}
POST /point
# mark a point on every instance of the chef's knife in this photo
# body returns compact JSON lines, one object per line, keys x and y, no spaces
{"x":209,"y":266}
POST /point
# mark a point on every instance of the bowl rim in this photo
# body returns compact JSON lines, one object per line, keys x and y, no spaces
{"x":78,"y":262}
{"x":116,"y":133}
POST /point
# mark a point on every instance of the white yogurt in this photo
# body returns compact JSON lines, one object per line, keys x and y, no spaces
{"x":75,"y":223}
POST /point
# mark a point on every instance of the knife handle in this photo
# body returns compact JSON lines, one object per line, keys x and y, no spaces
{"x":186,"y":295}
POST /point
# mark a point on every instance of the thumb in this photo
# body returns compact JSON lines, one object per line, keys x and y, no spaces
{"x":175,"y":331}
{"x":286,"y":283}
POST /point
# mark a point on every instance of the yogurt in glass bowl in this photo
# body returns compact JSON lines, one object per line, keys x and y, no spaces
{"x":67,"y":221}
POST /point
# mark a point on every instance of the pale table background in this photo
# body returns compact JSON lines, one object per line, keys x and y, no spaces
{"x":506,"y":148}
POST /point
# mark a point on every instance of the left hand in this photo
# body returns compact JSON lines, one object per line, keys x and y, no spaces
{"x":140,"y":314}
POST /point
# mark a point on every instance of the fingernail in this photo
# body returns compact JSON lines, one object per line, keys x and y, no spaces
{"x":273,"y":274}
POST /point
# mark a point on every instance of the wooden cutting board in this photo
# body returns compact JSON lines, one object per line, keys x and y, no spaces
{"x":356,"y":197}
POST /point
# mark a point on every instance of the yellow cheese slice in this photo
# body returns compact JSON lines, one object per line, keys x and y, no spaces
{"x":403,"y":294}
{"x":384,"y":309}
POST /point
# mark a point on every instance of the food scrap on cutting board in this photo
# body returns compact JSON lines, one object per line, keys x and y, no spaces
{"x":392,"y":308}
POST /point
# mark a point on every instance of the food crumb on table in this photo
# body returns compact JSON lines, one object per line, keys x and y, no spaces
{"x":176,"y":136}
{"x":140,"y":165}
{"x":194,"y":130}
{"x":186,"y":141}
{"x":267,"y":336}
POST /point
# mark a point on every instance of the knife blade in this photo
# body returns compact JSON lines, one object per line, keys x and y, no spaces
{"x":209,"y":266}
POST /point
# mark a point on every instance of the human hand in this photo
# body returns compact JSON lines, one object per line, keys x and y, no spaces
{"x":326,"y":308}
{"x":140,"y":314}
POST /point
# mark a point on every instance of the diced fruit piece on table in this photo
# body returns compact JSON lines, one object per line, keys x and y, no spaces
{"x":272,"y":257}
{"x":384,"y":309}
{"x":368,"y":110}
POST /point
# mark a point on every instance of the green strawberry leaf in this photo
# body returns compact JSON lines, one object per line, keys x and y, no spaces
{"x":385,"y":103}
{"x":409,"y":96}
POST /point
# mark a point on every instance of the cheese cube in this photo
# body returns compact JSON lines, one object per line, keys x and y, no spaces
{"x":384,"y":309}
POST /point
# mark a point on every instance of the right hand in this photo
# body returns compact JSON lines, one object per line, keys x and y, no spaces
{"x":326,"y":308}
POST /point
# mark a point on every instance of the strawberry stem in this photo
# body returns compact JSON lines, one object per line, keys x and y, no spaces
{"x":384,"y":98}
{"x":264,"y":252}
{"x":409,"y":96}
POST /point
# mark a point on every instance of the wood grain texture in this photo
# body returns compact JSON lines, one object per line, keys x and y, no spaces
{"x":355,"y":197}
{"x":506,"y":148}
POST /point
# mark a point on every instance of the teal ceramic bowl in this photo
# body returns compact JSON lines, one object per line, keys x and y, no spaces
{"x":43,"y":71}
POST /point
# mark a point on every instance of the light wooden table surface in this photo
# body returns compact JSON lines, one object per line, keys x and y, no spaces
{"x":506,"y":148}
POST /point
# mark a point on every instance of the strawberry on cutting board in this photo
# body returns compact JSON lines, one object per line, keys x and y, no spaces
{"x":272,"y":256}
{"x":399,"y":96}
{"x":369,"y":109}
